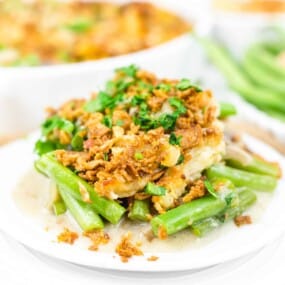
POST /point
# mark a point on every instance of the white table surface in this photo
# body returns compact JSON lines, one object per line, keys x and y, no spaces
{"x":19,"y":265}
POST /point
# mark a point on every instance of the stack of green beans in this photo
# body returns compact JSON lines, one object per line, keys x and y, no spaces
{"x":234,"y":181}
{"x":258,"y":77}
{"x":207,"y":213}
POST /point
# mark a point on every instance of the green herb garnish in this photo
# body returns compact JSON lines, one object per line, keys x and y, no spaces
{"x":174,"y":140}
{"x":138,"y":156}
{"x":29,"y":60}
{"x":154,"y":190}
{"x":105,"y":156}
{"x":42,"y":147}
{"x":164,"y":87}
{"x":130,"y":71}
{"x":120,"y":123}
{"x":137,"y":100}
{"x":178,"y":105}
{"x":107,"y":121}
{"x":167,"y":121}
{"x":102,"y":102}
{"x":79,"y":25}
{"x":77,"y":143}
{"x":56,"y":122}
{"x":185,"y":84}
{"x":180,"y":159}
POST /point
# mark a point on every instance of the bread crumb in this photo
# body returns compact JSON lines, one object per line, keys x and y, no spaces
{"x":98,"y":237}
{"x":242,"y":220}
{"x":126,"y":249}
{"x":67,"y":236}
{"x":152,"y":258}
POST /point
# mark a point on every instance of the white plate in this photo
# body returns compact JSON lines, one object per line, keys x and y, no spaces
{"x":16,"y":158}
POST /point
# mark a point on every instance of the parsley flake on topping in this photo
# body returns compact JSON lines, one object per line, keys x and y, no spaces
{"x":185,"y":84}
{"x":55,"y":122}
{"x":128,"y":70}
{"x":103,"y":101}
{"x":80,"y":25}
{"x":164,"y":87}
{"x":177,"y":103}
{"x":180,"y":159}
{"x":138,"y":156}
{"x":154,"y":190}
{"x":107,"y":121}
{"x":174,"y":140}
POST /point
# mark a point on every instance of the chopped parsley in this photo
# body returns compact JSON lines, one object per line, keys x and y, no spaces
{"x":28,"y":60}
{"x":145,"y":86}
{"x":178,"y":105}
{"x":107,"y":121}
{"x":102,"y":102}
{"x":137,"y":100}
{"x":185,"y":84}
{"x":180,"y":159}
{"x":105,"y":156}
{"x":174,"y":140}
{"x":80,"y":25}
{"x":42,"y":147}
{"x":164,"y":87}
{"x":154,"y":190}
{"x":120,"y":123}
{"x":130,"y":70}
{"x":167,"y":121}
{"x":138,"y":156}
{"x":77,"y":143}
{"x":56,"y":122}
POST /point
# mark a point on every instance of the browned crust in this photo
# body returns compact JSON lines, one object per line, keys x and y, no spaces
{"x":243,"y":220}
{"x":126,"y":249}
{"x":67,"y":236}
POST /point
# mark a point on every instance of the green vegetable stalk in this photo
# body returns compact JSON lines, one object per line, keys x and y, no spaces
{"x":242,"y":178}
{"x":71,"y":183}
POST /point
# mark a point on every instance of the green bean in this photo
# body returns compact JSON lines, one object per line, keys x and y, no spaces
{"x":238,"y":80}
{"x":256,"y":165}
{"x":260,"y":75}
{"x":266,"y":59}
{"x":202,"y":227}
{"x":66,"y":179}
{"x":83,"y":213}
{"x":183,"y":216}
{"x":58,"y":207}
{"x":243,"y":178}
{"x":140,"y":210}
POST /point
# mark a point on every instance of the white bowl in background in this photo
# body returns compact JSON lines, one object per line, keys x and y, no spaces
{"x":26,"y":91}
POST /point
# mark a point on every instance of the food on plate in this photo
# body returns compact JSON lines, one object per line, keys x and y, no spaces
{"x":77,"y":31}
{"x":267,"y":6}
{"x":151,"y":151}
{"x":259,"y":76}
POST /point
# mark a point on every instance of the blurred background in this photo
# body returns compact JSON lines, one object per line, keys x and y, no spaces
{"x":51,"y":51}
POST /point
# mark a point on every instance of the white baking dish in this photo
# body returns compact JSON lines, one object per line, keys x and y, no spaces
{"x":26,"y":91}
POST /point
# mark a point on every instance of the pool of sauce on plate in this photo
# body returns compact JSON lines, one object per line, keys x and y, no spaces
{"x":32,"y":195}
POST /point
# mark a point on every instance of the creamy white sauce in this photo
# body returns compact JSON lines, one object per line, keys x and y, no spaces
{"x":32,"y":195}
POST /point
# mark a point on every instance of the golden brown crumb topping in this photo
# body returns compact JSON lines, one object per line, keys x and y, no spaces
{"x":126,"y":249}
{"x":197,"y":190}
{"x":97,"y":237}
{"x":243,"y":220}
{"x":80,"y":30}
{"x":152,"y":258}
{"x":140,"y":129}
{"x":67,"y":236}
